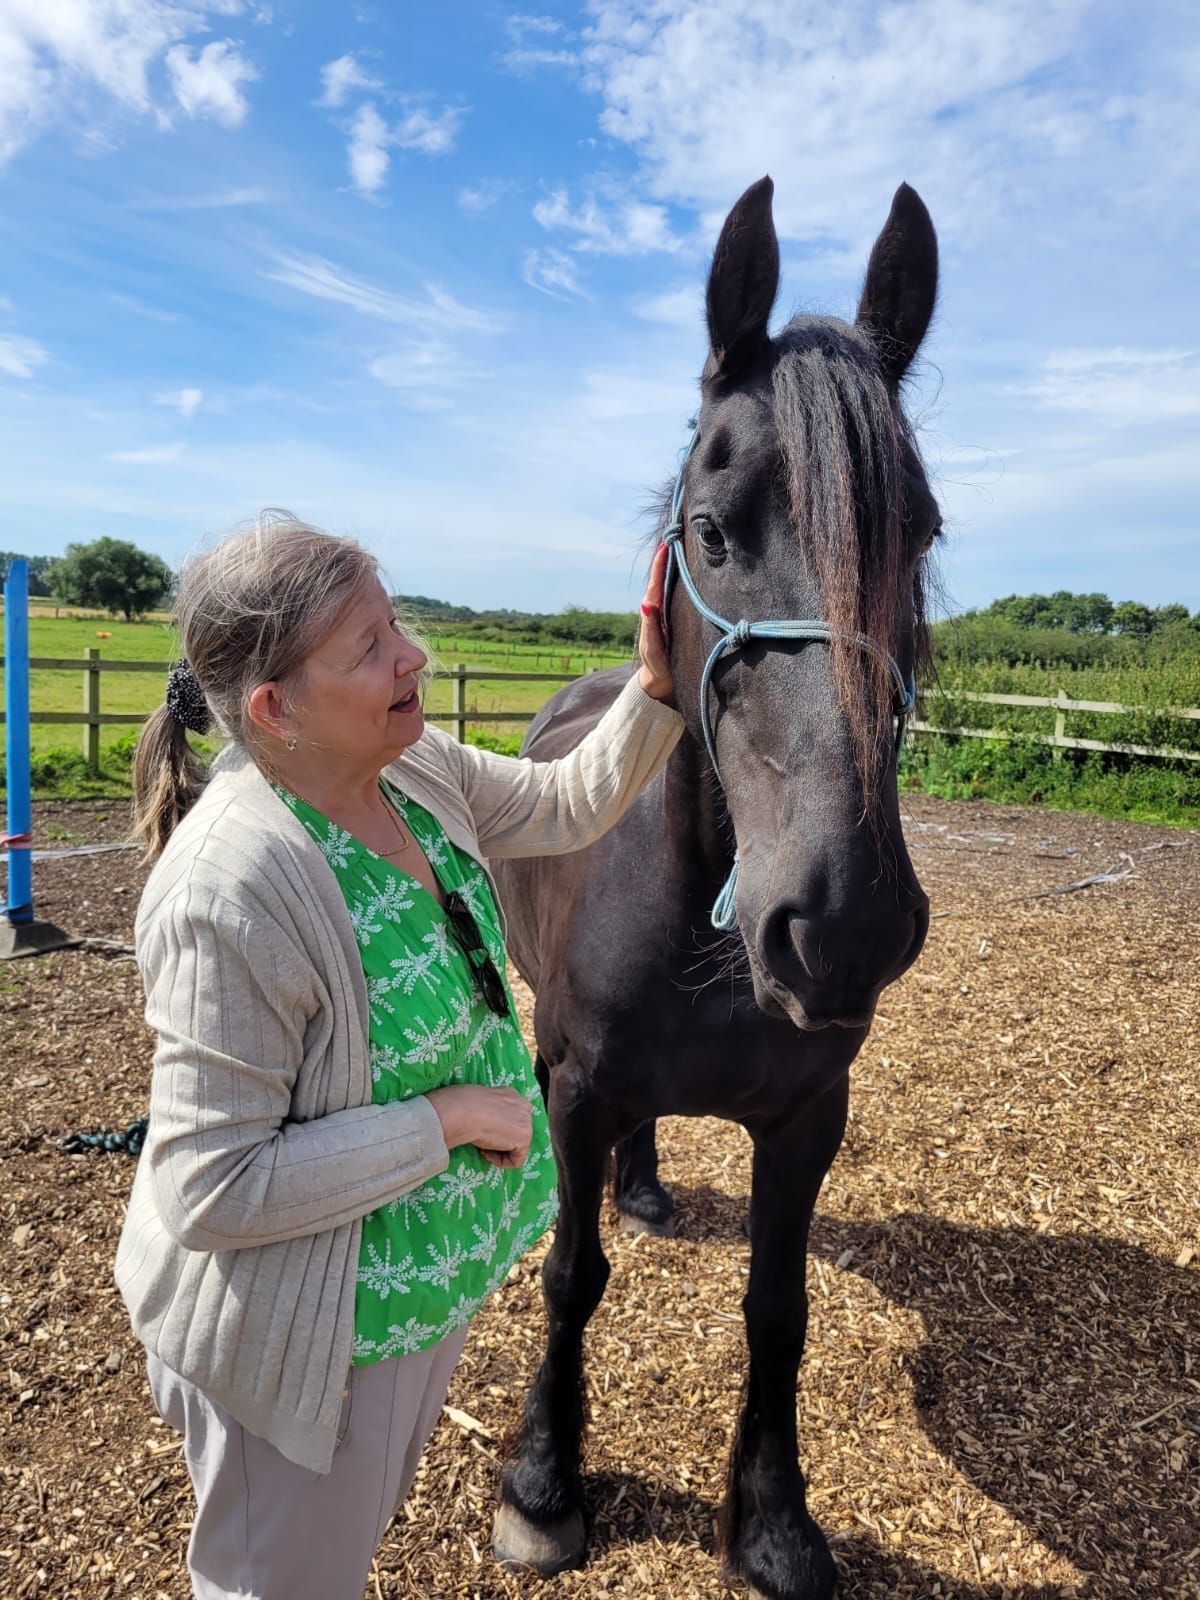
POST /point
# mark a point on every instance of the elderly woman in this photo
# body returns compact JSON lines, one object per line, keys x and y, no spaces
{"x":347,"y":1149}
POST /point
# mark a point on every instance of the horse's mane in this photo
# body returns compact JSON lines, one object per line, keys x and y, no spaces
{"x":845,"y":444}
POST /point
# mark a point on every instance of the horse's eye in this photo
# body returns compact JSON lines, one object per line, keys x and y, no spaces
{"x":931,"y":538}
{"x":711,"y":540}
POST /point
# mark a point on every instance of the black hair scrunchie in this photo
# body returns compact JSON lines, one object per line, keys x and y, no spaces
{"x":185,"y":699}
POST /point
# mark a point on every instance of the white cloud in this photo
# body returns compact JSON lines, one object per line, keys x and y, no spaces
{"x":531,"y":45}
{"x":522,"y":23}
{"x":214,"y":200}
{"x":73,"y":60}
{"x":987,"y":109}
{"x":339,"y":77}
{"x":1121,"y":385}
{"x":482,"y":196}
{"x":157,"y":455}
{"x":366,"y":153}
{"x":623,"y":226}
{"x":426,"y":373}
{"x":19,"y":357}
{"x":432,"y":135}
{"x":682,"y":307}
{"x":210,"y":85}
{"x":185,"y":401}
{"x":438,"y":312}
{"x":132,"y":303}
{"x":371,"y":137}
{"x":553,"y":273}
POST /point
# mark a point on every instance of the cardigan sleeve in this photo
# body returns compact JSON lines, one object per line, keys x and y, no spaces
{"x":522,"y":807}
{"x":232,"y":1003}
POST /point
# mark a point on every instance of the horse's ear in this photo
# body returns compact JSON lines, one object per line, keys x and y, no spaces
{"x":901,"y":285}
{"x":743,"y":281}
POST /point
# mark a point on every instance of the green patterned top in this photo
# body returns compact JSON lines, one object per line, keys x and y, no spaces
{"x":430,"y":1259}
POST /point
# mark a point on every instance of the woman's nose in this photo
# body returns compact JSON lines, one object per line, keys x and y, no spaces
{"x":411,"y":659}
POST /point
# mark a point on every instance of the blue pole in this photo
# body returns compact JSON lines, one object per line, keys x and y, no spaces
{"x":16,"y":730}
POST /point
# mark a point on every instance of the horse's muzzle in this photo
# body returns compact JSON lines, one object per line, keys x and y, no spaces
{"x":829,"y":970}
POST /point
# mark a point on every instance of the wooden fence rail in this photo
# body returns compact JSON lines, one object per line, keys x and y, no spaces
{"x":93,"y":666}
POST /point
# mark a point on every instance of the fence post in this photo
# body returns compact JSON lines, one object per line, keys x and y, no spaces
{"x":460,"y":701}
{"x":1060,"y":727}
{"x":91,"y":710}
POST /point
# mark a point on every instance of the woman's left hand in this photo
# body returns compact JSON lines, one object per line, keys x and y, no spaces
{"x":655,"y":674}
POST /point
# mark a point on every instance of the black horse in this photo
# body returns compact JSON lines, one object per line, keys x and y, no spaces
{"x":803,"y":497}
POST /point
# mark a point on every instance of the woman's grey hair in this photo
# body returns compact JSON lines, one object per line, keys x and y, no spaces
{"x":250,"y":610}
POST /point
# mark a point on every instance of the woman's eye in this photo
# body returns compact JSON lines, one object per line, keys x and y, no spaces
{"x":710,"y":540}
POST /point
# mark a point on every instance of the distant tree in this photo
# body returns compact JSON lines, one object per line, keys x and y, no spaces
{"x":113,"y":575}
{"x":1022,"y":610}
{"x":1095,"y":613}
{"x":1133,"y":619}
{"x":1168,"y":616}
{"x":1077,"y":613}
{"x":38,"y":567}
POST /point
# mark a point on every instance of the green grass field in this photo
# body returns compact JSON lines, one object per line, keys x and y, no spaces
{"x":70,"y":636}
{"x":958,"y":769}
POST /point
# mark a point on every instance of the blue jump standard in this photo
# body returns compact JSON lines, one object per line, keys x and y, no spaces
{"x":21,"y":934}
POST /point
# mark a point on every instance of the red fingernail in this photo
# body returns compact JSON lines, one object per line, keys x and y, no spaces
{"x":649,"y":611}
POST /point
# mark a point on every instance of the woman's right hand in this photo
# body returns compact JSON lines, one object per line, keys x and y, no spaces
{"x":498,"y":1122}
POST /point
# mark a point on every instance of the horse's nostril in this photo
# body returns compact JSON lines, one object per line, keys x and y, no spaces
{"x":784,"y":947}
{"x":806,"y":937}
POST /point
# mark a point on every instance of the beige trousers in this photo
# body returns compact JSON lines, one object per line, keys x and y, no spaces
{"x":267,"y":1529}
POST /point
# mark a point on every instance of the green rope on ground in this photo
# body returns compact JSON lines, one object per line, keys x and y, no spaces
{"x":110,"y":1141}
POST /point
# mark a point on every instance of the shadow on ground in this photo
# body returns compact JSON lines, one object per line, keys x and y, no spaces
{"x":1061,"y":1376}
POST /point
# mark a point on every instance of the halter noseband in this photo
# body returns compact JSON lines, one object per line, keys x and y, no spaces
{"x":733,"y":636}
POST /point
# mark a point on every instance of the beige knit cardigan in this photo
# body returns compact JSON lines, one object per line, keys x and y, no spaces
{"x":239,"y":1253}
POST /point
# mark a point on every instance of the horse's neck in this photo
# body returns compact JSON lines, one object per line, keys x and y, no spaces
{"x":699,"y":834}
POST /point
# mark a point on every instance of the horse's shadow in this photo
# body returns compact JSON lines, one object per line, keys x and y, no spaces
{"x":1060,"y":1375}
{"x":705,"y":1214}
{"x":627,"y":1510}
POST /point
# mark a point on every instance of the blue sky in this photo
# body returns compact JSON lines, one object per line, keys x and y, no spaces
{"x":433,"y":275}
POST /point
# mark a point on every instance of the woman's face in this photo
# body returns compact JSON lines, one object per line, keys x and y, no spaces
{"x":359,"y":697}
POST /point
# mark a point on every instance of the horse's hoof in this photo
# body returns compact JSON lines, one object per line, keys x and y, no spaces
{"x":517,"y":1542}
{"x":627,"y":1223}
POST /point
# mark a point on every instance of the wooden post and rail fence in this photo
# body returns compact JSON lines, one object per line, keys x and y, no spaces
{"x":91,"y":717}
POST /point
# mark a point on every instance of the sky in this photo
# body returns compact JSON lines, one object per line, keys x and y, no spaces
{"x":432,"y":275}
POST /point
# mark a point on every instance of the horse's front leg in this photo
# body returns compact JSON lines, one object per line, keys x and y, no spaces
{"x":643,"y":1205}
{"x":767,"y":1535}
{"x":540,"y":1520}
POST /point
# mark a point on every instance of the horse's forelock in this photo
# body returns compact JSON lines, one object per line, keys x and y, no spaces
{"x":844,"y":440}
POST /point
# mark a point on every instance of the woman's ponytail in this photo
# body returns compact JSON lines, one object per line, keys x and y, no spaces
{"x":168,"y":778}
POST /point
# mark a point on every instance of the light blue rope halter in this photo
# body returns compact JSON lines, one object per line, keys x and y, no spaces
{"x":733,"y":636}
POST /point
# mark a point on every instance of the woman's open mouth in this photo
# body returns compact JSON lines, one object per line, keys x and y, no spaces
{"x":406,"y":703}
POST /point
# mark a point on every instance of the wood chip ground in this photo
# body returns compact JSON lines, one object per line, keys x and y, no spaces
{"x":1001,"y":1394}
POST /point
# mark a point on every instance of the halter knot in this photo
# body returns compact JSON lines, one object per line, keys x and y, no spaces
{"x":741,"y":632}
